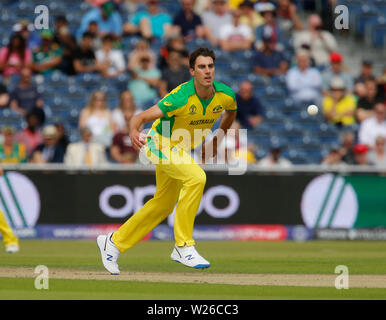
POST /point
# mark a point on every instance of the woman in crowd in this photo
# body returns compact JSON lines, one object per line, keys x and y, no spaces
{"x":15,"y":56}
{"x":98,"y":118}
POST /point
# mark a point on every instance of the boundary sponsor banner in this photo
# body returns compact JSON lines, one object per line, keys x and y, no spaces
{"x":161,"y":232}
{"x":351,"y":234}
{"x":327,"y":201}
{"x":230,"y":232}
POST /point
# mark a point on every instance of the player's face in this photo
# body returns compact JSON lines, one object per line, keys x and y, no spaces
{"x":203,"y":71}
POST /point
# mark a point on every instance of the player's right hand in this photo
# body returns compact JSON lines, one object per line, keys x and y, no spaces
{"x":138,"y":140}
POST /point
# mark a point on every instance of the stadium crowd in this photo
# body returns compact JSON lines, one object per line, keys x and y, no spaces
{"x":266,"y":36}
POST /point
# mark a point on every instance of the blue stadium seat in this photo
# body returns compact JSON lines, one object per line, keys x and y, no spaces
{"x":378,"y":33}
{"x":368,"y":15}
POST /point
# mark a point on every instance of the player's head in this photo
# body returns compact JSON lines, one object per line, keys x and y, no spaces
{"x":201,"y":63}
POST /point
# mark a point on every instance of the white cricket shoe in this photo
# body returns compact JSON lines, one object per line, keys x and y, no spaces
{"x":109,"y":253}
{"x":12,"y":248}
{"x":189,"y":257}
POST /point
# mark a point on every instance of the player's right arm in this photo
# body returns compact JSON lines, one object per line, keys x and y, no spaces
{"x":138,"y":140}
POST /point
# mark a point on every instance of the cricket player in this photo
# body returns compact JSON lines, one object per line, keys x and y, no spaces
{"x":11,"y":242}
{"x":181,"y":120}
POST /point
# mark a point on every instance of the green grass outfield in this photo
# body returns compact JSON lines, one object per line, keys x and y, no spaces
{"x":315,"y":257}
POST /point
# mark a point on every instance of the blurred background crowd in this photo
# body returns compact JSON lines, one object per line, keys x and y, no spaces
{"x":67,"y":93}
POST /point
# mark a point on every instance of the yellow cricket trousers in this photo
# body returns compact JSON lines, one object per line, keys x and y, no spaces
{"x":180,"y":179}
{"x":6,"y":231}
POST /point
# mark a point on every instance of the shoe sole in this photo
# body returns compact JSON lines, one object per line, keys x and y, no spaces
{"x":198,"y":266}
{"x":100,"y":250}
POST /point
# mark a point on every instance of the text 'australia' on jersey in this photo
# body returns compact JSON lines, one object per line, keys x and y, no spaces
{"x":184,"y":109}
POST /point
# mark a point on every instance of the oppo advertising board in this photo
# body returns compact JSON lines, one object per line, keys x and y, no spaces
{"x":249,"y":207}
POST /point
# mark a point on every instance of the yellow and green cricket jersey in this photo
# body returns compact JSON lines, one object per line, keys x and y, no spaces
{"x":184,"y":109}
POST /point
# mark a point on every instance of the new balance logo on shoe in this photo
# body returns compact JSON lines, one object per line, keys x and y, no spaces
{"x":189,"y":257}
{"x":109,"y":257}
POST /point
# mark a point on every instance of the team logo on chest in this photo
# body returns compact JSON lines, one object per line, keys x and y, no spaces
{"x":217,"y":109}
{"x":192,"y":110}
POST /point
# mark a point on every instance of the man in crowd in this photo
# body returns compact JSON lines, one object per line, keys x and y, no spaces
{"x":49,"y":151}
{"x":320,"y":43}
{"x":268,"y":61}
{"x":150,"y":23}
{"x":25,"y":98}
{"x":250,"y":110}
{"x":107,"y":19}
{"x":85,"y":152}
{"x":235,"y":36}
{"x":336,"y":70}
{"x":304,"y":82}
{"x":174,"y":73}
{"x":373,"y":127}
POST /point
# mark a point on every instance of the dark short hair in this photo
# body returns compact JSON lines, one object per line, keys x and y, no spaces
{"x":205,"y":52}
{"x":108,"y":37}
{"x":88,"y":35}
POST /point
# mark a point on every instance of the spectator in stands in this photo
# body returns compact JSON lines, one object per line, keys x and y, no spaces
{"x":365,"y":75}
{"x":111,"y":60}
{"x":250,"y":111}
{"x":373,"y":127}
{"x":347,"y":148}
{"x":381,"y":81}
{"x":336,"y":70}
{"x":142,"y":47}
{"x":15,"y":56}
{"x":86,"y":151}
{"x":98,"y":118}
{"x":108,"y":20}
{"x":84,"y":56}
{"x":366,"y":104}
{"x":25,"y":98}
{"x":49,"y":151}
{"x":94,"y":31}
{"x":174,"y":74}
{"x":270,"y":28}
{"x":122,"y":150}
{"x":4,"y":96}
{"x":145,"y":82}
{"x":287,"y":17}
{"x":175,"y":43}
{"x":216,"y":18}
{"x":10,"y":150}
{"x":377,"y":156}
{"x":339,"y":106}
{"x":361,"y":155}
{"x":249,"y":16}
{"x":200,"y":6}
{"x":49,"y":56}
{"x":150,"y":23}
{"x":62,"y":136}
{"x":26,"y":30}
{"x":320,"y":43}
{"x":274,"y":159}
{"x":334,"y":158}
{"x":126,"y":105}
{"x":304,"y":82}
{"x":31,"y":136}
{"x":268,"y":61}
{"x":235,"y":36}
{"x":189,"y":23}
{"x":67,"y":43}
